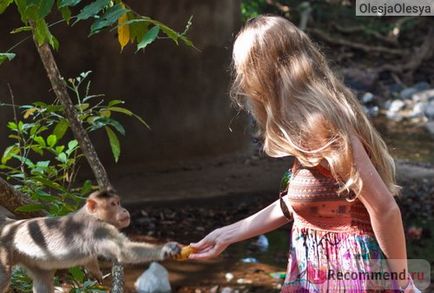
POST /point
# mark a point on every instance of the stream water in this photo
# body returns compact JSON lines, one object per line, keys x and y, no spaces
{"x":407,"y":141}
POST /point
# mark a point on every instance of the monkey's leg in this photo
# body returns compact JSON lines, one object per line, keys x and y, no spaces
{"x":93,"y":267}
{"x":5,"y":269}
{"x":5,"y":276}
{"x":42,"y":280}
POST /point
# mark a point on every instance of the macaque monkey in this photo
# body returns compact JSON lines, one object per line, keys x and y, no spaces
{"x":43,"y":245}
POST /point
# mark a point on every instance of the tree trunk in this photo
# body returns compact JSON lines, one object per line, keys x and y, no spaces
{"x":86,"y":146}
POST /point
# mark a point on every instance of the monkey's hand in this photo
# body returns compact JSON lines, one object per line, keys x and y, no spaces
{"x":170,"y":250}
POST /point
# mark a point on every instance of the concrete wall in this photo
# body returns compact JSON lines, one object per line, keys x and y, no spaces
{"x":179,"y":91}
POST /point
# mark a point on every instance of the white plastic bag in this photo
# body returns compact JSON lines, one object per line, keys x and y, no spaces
{"x":154,"y":280}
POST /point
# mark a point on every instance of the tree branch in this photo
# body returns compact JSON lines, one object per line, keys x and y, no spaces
{"x":425,"y":51}
{"x":342,"y":42}
{"x":86,"y":146}
{"x":10,"y":199}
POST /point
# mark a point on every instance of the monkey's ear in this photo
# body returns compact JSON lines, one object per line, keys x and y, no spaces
{"x":91,"y":205}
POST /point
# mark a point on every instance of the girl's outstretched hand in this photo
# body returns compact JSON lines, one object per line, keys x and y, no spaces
{"x":211,"y":246}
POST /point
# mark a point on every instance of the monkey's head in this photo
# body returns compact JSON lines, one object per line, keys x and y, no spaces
{"x":106,"y":206}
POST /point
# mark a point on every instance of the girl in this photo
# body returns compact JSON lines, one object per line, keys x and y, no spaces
{"x":342,"y":186}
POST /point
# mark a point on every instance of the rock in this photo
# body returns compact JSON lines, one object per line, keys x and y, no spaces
{"x":395,"y":116}
{"x":361,"y":80}
{"x":154,"y":279}
{"x":367,"y":98}
{"x":430,"y":127}
{"x":421,"y":86}
{"x":429,"y":110}
{"x":249,"y":260}
{"x":418,"y":109}
{"x":261,"y":243}
{"x":387,"y":104}
{"x":372,"y":111}
{"x":423,"y":96}
{"x":407,"y":93}
{"x":393,"y":111}
{"x":229,"y":277}
{"x":244,"y":281}
{"x":396,"y":106}
{"x":227,"y":290}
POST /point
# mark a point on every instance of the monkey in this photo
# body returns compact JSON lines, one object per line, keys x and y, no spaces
{"x":43,"y":245}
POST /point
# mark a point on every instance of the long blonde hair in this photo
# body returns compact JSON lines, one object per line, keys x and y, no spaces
{"x":300,"y":106}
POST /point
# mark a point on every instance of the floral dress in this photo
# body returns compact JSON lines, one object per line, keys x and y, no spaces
{"x":333,"y":247}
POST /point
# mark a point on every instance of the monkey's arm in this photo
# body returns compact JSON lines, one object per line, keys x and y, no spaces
{"x":119,"y":247}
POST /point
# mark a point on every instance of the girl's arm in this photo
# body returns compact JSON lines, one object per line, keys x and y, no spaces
{"x":383,"y":211}
{"x":267,"y":219}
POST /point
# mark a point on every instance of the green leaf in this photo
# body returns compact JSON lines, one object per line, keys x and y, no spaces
{"x":87,"y":187}
{"x":43,"y":164}
{"x":37,"y":149}
{"x":25,"y":160}
{"x":64,"y":3}
{"x":52,"y":140}
{"x":72,"y":144}
{"x":66,"y":13}
{"x":173,"y":35}
{"x":110,"y":16}
{"x":30,"y":208}
{"x":6,"y":56}
{"x":61,"y":128}
{"x":44,"y":196}
{"x":12,"y":125}
{"x":121,"y":110}
{"x":129,"y":113}
{"x":142,"y":121}
{"x":77,"y":274}
{"x":21,"y":29}
{"x":44,"y":7}
{"x":39,"y":140}
{"x":9,"y":152}
{"x":34,"y":9}
{"x":43,"y":34}
{"x":115,"y":102}
{"x":60,"y":148}
{"x":148,"y":38}
{"x":82,"y":107}
{"x":117,"y":126}
{"x":114,"y":143}
{"x":49,"y":183}
{"x":138,"y":28}
{"x":4,"y":4}
{"x":92,"y":9}
{"x":62,"y":158}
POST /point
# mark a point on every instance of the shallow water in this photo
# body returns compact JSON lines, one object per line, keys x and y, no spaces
{"x":406,"y":141}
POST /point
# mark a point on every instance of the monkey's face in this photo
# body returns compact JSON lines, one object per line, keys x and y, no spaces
{"x":109,"y":210}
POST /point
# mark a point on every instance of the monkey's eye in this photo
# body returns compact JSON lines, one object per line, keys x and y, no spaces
{"x":113,"y":203}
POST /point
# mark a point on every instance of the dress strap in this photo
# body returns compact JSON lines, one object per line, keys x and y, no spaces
{"x":295,"y":166}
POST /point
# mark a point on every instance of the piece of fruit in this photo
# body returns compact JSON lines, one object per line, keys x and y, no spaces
{"x":185,"y":253}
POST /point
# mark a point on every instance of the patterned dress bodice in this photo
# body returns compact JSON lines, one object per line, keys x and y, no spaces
{"x":315,"y":202}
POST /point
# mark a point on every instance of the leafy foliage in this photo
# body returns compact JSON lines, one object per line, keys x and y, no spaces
{"x":20,"y":280}
{"x":131,"y":26}
{"x":43,"y":163}
{"x":250,"y":9}
{"x":326,"y":14}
